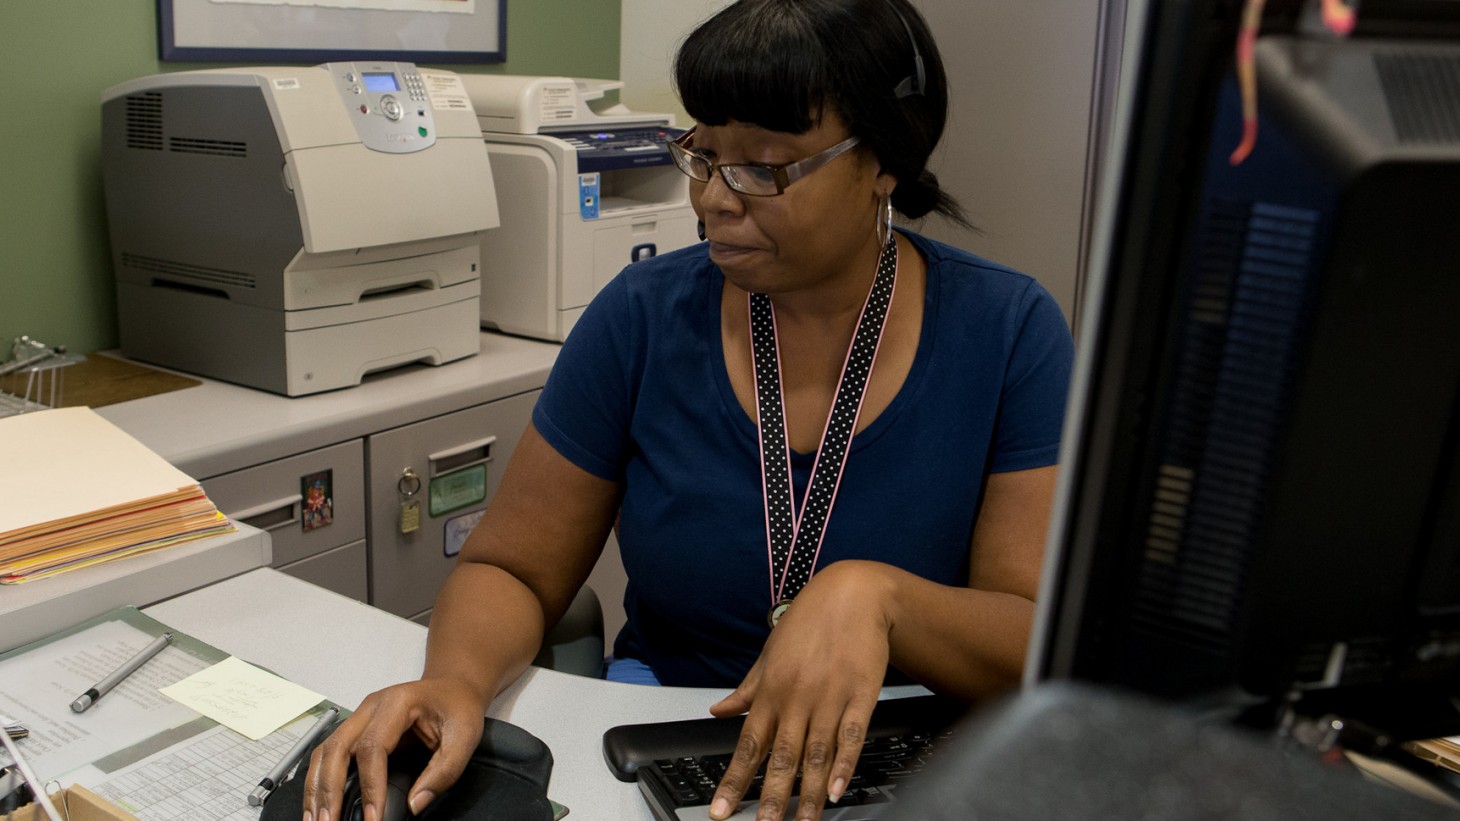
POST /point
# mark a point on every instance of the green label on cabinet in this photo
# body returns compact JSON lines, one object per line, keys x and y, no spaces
{"x":458,"y":489}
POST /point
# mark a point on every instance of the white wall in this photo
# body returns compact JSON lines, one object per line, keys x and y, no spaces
{"x":1020,"y":77}
{"x":1020,"y":74}
{"x":651,"y":32}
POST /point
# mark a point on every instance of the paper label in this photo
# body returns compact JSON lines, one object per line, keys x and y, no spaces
{"x":458,"y":489}
{"x":446,"y":91}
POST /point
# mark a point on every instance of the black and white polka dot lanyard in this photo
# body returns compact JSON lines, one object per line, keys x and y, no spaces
{"x":794,"y":541}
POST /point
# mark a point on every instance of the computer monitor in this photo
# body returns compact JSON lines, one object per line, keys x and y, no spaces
{"x":1260,"y":492}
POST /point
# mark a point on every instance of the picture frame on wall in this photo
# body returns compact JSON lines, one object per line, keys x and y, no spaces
{"x":321,"y":31}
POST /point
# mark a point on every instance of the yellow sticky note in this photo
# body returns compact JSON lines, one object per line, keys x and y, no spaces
{"x":242,"y":697}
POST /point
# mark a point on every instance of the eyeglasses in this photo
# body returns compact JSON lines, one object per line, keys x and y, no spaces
{"x":752,"y":179}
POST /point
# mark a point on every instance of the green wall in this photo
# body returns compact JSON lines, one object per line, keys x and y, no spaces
{"x":57,"y":56}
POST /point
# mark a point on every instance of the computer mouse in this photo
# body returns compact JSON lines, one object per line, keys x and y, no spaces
{"x":397,"y":789}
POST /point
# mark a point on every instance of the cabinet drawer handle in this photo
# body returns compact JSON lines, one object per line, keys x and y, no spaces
{"x":471,"y":453}
{"x":271,"y":515}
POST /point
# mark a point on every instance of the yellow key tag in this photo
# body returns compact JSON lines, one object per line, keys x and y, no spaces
{"x":410,"y":515}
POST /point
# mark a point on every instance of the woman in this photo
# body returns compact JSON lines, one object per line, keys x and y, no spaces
{"x":702,"y":393}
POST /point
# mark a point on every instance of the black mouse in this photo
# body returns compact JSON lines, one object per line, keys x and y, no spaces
{"x":505,"y":779}
{"x":397,"y":789}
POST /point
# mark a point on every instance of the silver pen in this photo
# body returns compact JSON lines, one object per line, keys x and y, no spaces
{"x":104,"y":686}
{"x":276,"y":775}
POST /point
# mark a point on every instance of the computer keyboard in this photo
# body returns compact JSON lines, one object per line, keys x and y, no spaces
{"x":678,"y":764}
{"x":692,"y":780}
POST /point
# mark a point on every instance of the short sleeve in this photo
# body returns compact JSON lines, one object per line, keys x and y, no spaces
{"x":1036,"y":385}
{"x":586,"y":406}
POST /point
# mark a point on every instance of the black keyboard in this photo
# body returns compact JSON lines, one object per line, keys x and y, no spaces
{"x":690,"y":781}
{"x":678,"y":764}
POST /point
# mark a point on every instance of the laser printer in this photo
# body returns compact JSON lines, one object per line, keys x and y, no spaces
{"x":296,"y":228}
{"x":587,"y":186}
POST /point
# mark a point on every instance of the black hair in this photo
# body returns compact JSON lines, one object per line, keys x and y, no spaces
{"x":779,"y":64}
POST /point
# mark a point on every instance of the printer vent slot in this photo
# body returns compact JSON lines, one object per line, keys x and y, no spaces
{"x":195,"y":273}
{"x":217,"y":148}
{"x":144,"y":121}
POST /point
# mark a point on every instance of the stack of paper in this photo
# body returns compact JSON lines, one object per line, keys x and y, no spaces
{"x":79,"y":491}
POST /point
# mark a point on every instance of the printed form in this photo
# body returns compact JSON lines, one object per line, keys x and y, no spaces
{"x":145,"y":752}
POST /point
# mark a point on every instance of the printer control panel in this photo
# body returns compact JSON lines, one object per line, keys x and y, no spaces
{"x":614,"y":148}
{"x":388,"y":104}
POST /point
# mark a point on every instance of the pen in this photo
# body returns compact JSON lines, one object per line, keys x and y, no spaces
{"x":13,"y":728}
{"x":104,"y":686}
{"x":270,"y":781}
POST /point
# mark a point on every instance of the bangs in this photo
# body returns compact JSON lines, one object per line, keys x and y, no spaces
{"x":761,"y":69}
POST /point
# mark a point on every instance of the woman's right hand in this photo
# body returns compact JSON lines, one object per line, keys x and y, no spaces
{"x":445,"y":714}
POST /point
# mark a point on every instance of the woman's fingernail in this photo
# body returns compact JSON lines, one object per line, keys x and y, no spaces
{"x":308,"y":816}
{"x":838,"y":787}
{"x":421,"y":800}
{"x":720,"y":808}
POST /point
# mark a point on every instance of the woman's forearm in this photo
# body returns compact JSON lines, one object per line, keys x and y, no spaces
{"x":965,"y":642}
{"x":486,"y":628}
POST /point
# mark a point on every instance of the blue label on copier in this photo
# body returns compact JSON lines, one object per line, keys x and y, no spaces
{"x":588,"y":196}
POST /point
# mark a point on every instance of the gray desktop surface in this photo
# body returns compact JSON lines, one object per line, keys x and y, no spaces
{"x":36,"y":609}
{"x":215,"y":427}
{"x":344,"y":650}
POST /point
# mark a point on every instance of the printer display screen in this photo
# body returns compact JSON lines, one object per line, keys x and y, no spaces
{"x":381,"y":82}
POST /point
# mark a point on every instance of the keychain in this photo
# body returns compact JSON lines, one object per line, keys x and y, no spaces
{"x":408,"y":486}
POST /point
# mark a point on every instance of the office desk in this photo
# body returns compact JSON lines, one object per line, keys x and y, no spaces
{"x":345,"y":650}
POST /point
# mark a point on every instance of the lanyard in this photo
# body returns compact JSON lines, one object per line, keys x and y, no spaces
{"x":793,"y":542}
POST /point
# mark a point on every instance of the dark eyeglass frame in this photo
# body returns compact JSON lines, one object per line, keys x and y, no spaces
{"x":781,"y":175}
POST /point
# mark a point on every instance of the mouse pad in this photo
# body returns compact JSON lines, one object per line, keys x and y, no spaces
{"x":506,"y":778}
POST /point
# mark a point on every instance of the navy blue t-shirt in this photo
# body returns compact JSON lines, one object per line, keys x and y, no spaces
{"x":640,"y":395}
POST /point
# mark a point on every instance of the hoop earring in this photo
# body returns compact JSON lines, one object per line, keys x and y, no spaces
{"x":884,"y":223}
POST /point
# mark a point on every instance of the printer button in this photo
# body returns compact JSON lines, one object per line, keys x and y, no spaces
{"x":391,"y":107}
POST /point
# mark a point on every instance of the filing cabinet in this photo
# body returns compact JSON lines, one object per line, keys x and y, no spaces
{"x":388,"y":537}
{"x":313,"y":508}
{"x":429,"y":483}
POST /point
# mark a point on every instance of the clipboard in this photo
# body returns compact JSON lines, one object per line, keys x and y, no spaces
{"x":135,"y":739}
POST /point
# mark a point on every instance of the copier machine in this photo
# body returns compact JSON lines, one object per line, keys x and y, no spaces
{"x":295,"y":228}
{"x":587,"y":186}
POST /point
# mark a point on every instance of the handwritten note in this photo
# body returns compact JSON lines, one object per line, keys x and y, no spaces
{"x":242,"y":697}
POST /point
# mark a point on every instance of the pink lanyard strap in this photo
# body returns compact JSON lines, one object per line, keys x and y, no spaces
{"x":793,"y":542}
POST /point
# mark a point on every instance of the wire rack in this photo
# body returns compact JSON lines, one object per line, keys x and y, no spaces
{"x":34,"y":376}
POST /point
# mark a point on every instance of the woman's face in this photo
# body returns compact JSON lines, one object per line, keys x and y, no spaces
{"x":820,"y":226}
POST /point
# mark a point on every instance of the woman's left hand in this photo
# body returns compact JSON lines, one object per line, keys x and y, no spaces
{"x":811,"y":693}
